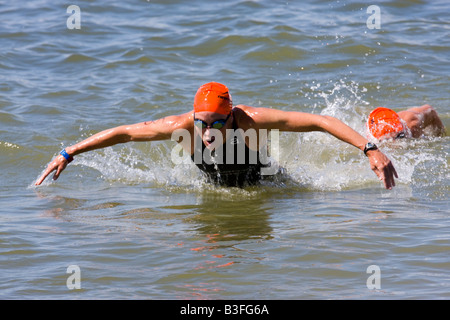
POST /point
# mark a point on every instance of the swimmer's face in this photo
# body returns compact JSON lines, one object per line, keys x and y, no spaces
{"x":212,"y":125}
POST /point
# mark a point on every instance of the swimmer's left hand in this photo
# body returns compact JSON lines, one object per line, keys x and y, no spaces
{"x":382,"y":167}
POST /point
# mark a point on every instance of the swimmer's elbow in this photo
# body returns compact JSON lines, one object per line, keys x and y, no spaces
{"x":324,"y":122}
{"x":122,"y":134}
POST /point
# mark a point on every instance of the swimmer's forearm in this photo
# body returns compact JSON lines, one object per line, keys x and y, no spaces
{"x":144,"y":131}
{"x":100,"y":140}
{"x":342,"y":131}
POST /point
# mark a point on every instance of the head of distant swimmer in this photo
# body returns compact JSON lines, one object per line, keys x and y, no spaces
{"x":384,"y":123}
{"x":212,"y":112}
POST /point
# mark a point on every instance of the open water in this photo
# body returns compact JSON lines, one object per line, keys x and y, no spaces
{"x":139,"y":227}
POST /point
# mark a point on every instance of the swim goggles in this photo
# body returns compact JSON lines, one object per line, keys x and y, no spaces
{"x":401,"y":135}
{"x":218,"y":124}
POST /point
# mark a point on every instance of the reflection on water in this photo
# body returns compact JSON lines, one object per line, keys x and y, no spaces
{"x":232,"y":220}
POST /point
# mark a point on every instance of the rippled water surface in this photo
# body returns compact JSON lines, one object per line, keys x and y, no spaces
{"x":140,"y":227}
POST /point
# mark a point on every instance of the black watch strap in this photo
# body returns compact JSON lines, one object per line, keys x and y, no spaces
{"x":369,"y":146}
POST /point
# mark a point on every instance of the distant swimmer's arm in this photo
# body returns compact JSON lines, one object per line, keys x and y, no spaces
{"x":422,"y":120}
{"x":160,"y":129}
{"x":305,"y":122}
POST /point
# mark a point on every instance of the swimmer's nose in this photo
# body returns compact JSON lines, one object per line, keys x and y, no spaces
{"x":208,"y":134}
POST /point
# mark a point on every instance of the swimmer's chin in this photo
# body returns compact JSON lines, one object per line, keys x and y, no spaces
{"x":209,"y":143}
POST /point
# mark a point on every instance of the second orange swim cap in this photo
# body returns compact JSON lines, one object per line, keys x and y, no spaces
{"x":383,"y":121}
{"x":213,"y":97}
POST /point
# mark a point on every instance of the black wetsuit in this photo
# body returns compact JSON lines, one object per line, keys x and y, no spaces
{"x":244,"y":168}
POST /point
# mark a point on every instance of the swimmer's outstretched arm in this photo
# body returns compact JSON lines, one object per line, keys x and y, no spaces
{"x":145,"y":131}
{"x":264,"y":118}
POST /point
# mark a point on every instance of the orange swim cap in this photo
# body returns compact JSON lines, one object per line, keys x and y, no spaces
{"x":213,"y":97}
{"x":383,"y":121}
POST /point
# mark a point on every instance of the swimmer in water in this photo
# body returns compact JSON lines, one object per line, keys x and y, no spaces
{"x":209,"y":122}
{"x":415,"y":122}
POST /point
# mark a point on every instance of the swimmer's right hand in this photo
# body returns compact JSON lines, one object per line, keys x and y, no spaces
{"x":58,"y":165}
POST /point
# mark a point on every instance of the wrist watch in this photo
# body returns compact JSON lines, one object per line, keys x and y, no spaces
{"x":369,"y":146}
